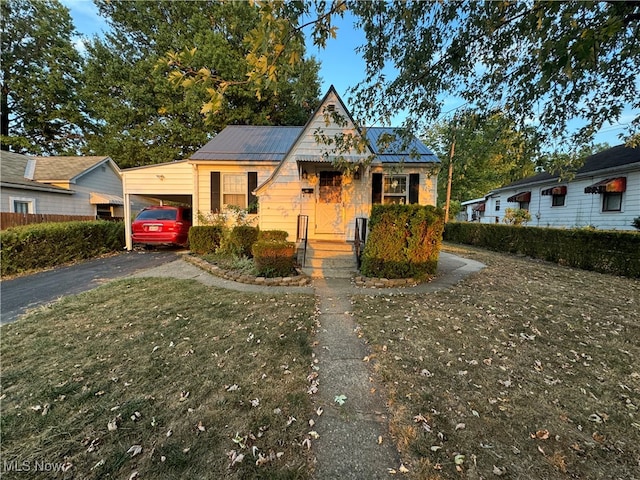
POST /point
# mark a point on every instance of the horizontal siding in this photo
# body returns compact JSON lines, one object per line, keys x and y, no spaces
{"x":168,"y":179}
{"x":204,"y":179}
{"x":49,"y":203}
{"x":580,"y":209}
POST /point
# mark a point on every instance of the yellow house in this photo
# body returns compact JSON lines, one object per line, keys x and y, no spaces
{"x":292,"y":178}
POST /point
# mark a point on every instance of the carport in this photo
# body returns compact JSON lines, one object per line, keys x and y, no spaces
{"x":166,"y":182}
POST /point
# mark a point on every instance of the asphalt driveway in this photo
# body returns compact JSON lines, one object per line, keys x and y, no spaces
{"x":20,"y":294}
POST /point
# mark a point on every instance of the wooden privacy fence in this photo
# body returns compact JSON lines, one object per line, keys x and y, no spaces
{"x":8,"y":219}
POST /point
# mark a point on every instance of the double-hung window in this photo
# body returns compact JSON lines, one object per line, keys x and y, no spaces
{"x":395,"y":189}
{"x":234,"y":189}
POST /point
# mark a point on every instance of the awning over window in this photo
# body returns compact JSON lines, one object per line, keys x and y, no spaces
{"x":610,"y":185}
{"x":561,"y":190}
{"x":104,"y":199}
{"x":520,"y":197}
{"x":480,"y":207}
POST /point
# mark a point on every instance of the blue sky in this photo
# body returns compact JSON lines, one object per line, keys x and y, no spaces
{"x":341,"y":66}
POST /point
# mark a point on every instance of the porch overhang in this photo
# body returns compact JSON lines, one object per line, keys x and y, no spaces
{"x":96,"y":198}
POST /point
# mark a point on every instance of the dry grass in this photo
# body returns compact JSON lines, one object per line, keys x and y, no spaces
{"x":524,"y":370}
{"x":188,"y":373}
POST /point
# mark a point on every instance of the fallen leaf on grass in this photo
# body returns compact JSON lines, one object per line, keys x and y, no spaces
{"x":200,"y":426}
{"x":499,"y":471}
{"x":314,"y":434}
{"x":403,"y":469}
{"x":231,"y":388}
{"x":135,"y":450}
{"x":340,"y":399}
{"x":540,"y":435}
{"x":379,"y":439}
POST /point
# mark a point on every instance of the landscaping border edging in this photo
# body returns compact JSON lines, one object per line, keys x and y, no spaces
{"x":371,"y":282}
{"x":293,"y":281}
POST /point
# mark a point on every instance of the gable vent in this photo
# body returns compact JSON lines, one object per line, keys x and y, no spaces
{"x":331,"y":107}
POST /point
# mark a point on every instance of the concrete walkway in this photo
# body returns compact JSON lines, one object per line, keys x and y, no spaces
{"x":354,"y":440}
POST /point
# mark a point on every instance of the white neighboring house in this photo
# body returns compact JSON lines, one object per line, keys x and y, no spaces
{"x":604,"y":194}
{"x":472,"y":210}
{"x":87,"y":186}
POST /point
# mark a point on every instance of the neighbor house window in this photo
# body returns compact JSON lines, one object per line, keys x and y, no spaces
{"x":558,"y":200}
{"x":234,"y":190}
{"x":22,"y":205}
{"x":612,"y":202}
{"x":395,"y":189}
{"x":497,"y":205}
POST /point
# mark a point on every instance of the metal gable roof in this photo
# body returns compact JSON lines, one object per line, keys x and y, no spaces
{"x":249,"y":143}
{"x":414,"y":152}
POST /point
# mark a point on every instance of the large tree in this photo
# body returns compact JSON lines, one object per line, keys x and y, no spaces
{"x":489,"y":151}
{"x":144,"y":119}
{"x":544,"y":62}
{"x":39,"y":78}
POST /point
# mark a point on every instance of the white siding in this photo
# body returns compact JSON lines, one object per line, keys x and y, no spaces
{"x":580,"y":209}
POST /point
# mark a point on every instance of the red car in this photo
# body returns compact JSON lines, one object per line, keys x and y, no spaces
{"x":162,"y":226}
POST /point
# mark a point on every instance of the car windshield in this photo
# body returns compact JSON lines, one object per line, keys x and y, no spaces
{"x":158,"y":214}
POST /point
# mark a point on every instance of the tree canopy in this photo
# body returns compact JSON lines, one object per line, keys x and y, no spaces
{"x":142,"y":118}
{"x":40,"y":76}
{"x":543,"y":63}
{"x":490,"y":152}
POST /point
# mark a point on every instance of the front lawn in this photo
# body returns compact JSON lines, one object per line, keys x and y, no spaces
{"x":524,"y":370}
{"x":161,"y":379}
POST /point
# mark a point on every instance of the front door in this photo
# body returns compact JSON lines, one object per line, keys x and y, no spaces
{"x":329,"y":205}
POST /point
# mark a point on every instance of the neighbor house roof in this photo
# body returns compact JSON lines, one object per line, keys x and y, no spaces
{"x":618,"y":156}
{"x":16,"y":170}
{"x":266,"y":143}
{"x":55,"y":169}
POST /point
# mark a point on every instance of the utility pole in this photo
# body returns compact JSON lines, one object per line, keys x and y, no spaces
{"x":450,"y":176}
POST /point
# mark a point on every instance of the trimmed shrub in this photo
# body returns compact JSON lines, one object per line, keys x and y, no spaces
{"x":46,"y":245}
{"x":280,"y":235}
{"x":205,"y":239}
{"x":612,"y":252}
{"x":404,"y":241}
{"x":240,"y":240}
{"x":274,"y":258}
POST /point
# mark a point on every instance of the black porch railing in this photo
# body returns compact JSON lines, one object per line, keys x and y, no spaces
{"x":360,"y":237}
{"x":301,"y":236}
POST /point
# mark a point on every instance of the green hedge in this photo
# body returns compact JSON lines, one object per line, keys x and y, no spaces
{"x":240,"y":240}
{"x":205,"y":239}
{"x":610,"y":252}
{"x":274,"y":258}
{"x":273,"y":235}
{"x":45,"y":245}
{"x":404,"y":241}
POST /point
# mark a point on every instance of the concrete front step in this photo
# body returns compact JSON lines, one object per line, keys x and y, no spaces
{"x":330,"y":260}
